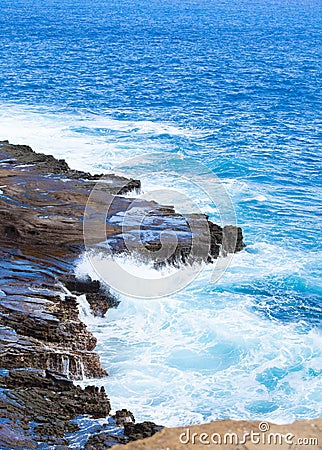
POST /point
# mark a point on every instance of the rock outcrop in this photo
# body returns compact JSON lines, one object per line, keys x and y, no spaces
{"x":99,"y":298}
{"x":43,"y":204}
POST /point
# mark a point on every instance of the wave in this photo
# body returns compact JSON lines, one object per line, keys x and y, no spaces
{"x":78,"y":136}
{"x":205,"y":353}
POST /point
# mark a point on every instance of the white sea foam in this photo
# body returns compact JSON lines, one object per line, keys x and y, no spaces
{"x":180,"y":364}
{"x":204,"y":354}
{"x":88,"y":142}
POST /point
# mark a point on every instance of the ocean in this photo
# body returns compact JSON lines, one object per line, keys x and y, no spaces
{"x":234,"y":86}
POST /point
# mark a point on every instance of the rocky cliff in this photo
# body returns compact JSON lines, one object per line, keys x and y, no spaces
{"x":43,"y":344}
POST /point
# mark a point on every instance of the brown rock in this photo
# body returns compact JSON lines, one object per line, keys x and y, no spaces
{"x":304,"y":434}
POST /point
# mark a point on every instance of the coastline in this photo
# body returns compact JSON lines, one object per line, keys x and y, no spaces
{"x":43,"y":342}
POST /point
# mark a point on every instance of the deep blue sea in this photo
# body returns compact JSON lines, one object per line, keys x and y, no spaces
{"x":235,"y":85}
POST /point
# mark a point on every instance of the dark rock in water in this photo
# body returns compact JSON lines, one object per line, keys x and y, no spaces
{"x":123,"y":416}
{"x":232,"y":239}
{"x":99,"y":298}
{"x":228,"y":239}
{"x":104,"y":439}
{"x":85,"y":286}
{"x":100,"y":303}
{"x":135,"y":431}
{"x":193,"y":237}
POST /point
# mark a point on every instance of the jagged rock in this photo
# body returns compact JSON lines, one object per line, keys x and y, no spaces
{"x":52,"y":431}
{"x":99,"y":298}
{"x":123,"y":416}
{"x":104,"y":440}
{"x":13,"y":436}
{"x":83,"y":286}
{"x":40,"y":324}
{"x":100,"y":303}
{"x":232,"y":239}
{"x":21,"y":351}
{"x":135,"y":431}
{"x":50,"y":401}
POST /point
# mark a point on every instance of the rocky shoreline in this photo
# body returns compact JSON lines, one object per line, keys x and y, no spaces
{"x":45,"y":348}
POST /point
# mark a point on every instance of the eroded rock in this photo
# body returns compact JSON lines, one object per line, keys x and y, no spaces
{"x":43,"y":403}
{"x":99,"y":298}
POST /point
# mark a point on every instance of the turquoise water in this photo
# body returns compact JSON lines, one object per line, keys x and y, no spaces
{"x":237,"y":86}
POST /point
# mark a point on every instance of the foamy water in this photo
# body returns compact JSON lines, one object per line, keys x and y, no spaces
{"x":207,"y":353}
{"x":76,"y":137}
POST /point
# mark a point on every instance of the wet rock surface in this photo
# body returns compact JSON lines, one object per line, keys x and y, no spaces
{"x":186,"y":239}
{"x":40,"y":327}
{"x":43,"y":203}
{"x":103,"y":441}
{"x":43,"y":343}
{"x":123,"y":416}
{"x":44,"y":402}
{"x":99,"y":298}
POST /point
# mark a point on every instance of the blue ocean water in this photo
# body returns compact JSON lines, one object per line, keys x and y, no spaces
{"x":235,"y":85}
